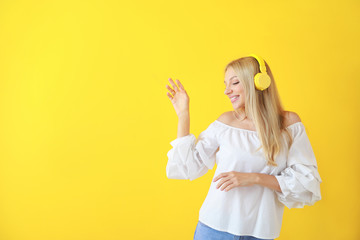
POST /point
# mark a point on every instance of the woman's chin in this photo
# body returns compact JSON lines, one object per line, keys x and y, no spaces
{"x":236,"y":105}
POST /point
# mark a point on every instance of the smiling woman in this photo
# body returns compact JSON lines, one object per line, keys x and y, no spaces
{"x":264,"y":158}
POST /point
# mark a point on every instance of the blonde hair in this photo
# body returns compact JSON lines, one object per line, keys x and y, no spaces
{"x":264,"y":108}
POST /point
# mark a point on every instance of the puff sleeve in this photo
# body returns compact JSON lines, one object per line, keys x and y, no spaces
{"x":300,"y":180}
{"x":191,"y":158}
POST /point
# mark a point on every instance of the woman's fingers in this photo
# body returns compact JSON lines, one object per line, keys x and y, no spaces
{"x":180,"y":85}
{"x":225,"y":185}
{"x":174,"y":85}
{"x":225,"y":179}
{"x":229,"y":187}
{"x":169,"y":95}
{"x":170,"y":89}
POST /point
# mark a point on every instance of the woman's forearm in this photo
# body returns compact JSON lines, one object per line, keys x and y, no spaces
{"x":183,"y":125}
{"x":269,"y":181}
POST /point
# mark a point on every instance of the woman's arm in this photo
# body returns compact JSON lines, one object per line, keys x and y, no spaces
{"x":180,"y":100}
{"x":268,"y":181}
{"x":183,"y":124}
{"x":233,"y":179}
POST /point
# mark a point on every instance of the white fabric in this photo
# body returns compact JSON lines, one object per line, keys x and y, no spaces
{"x":252,"y":210}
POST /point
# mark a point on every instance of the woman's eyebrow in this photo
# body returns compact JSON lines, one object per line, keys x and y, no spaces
{"x":232,"y":78}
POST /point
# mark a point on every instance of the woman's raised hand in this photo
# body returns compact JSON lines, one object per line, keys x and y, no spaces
{"x":178,"y":97}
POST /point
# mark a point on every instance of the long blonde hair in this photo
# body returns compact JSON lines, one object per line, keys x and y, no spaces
{"x":264,"y":108}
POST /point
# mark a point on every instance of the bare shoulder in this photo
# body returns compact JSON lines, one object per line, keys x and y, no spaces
{"x":226,"y":117}
{"x":291,"y":118}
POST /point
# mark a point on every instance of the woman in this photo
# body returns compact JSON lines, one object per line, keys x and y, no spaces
{"x":264,"y":158}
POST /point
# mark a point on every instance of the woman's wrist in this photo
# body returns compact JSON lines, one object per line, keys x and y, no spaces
{"x":267,"y":180}
{"x":184,"y":115}
{"x":256,"y":178}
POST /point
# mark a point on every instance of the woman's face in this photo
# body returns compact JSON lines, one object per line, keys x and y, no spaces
{"x":234,"y":89}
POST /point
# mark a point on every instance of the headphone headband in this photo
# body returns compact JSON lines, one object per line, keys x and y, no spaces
{"x":260,"y":61}
{"x":261,"y":80}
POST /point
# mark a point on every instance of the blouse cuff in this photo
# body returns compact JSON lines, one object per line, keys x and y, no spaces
{"x":300,"y":185}
{"x":285,"y":190}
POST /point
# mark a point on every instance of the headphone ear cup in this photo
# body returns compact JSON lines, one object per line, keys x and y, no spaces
{"x":262,"y":81}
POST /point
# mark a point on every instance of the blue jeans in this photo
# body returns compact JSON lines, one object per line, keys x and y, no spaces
{"x":204,"y":232}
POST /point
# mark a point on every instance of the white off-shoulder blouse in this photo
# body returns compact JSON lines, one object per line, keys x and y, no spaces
{"x":251,"y":210}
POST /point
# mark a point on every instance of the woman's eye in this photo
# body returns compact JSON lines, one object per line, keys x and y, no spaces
{"x":236,"y":83}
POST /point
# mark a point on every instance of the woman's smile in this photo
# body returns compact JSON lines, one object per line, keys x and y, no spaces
{"x":233,"y":99}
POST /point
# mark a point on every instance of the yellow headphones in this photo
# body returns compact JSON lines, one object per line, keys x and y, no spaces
{"x":262,"y":80}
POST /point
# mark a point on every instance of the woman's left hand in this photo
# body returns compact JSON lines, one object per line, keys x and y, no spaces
{"x":235,"y":179}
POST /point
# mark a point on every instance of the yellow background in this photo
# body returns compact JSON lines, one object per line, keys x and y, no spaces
{"x":85,"y":122}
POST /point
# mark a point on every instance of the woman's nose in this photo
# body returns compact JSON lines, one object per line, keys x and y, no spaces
{"x":227,"y":91}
